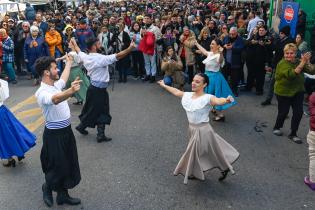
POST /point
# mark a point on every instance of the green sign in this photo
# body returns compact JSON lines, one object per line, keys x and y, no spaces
{"x":308,"y":6}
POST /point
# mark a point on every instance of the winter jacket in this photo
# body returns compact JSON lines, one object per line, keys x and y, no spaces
{"x":188,"y":45}
{"x":237,"y":49}
{"x":287,"y":82}
{"x":81,"y":35}
{"x":33,"y":51}
{"x":54,"y":40}
{"x":147,"y":44}
{"x":175,"y":70}
{"x":29,"y":13}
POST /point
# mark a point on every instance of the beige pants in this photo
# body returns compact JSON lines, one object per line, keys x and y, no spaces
{"x":311,"y":154}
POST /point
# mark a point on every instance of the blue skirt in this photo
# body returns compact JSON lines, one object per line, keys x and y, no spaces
{"x":219,"y":88}
{"x":15,"y":139}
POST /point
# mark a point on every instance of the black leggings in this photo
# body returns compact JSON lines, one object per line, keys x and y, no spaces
{"x":137,"y":63}
{"x":284,"y":104}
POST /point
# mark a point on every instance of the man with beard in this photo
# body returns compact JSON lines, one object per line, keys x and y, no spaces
{"x":59,"y":157}
{"x":96,"y":109}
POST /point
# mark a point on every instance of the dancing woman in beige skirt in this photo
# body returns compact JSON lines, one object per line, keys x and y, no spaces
{"x":206,"y":149}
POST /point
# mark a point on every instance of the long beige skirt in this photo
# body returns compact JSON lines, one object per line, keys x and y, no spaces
{"x":206,"y":150}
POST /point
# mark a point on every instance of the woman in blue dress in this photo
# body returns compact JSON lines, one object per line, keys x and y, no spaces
{"x":217,"y":84}
{"x":15,"y":139}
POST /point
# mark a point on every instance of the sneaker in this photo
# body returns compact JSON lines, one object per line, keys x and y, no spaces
{"x":265,"y":103}
{"x":277,"y":132}
{"x":308,"y":182}
{"x":295,"y":139}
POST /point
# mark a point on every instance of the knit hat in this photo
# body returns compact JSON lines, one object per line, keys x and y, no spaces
{"x":286,"y":30}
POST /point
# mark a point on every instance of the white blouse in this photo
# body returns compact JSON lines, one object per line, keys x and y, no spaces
{"x":197,"y":109}
{"x":212,"y":62}
{"x":4,"y":91}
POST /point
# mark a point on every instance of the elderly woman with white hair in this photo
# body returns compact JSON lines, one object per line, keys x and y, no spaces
{"x":34,"y":48}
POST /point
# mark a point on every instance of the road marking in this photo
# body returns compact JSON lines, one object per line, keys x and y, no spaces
{"x":31,"y":112}
{"x":34,"y":125}
{"x":28,"y":113}
{"x":30,"y":100}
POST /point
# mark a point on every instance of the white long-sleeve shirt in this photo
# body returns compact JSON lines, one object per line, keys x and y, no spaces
{"x":97,"y":65}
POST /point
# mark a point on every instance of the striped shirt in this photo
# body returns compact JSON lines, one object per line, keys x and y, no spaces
{"x":56,"y":115}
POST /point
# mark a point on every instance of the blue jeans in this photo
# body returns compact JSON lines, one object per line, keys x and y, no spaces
{"x":150,"y":64}
{"x":8,"y":68}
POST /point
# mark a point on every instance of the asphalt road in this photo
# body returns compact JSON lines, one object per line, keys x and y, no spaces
{"x":149,"y":131}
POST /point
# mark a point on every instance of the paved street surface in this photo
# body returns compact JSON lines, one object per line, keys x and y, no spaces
{"x":149,"y":131}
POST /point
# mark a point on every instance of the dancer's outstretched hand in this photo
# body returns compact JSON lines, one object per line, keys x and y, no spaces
{"x":75,"y":85}
{"x":161,"y":83}
{"x":229,"y":99}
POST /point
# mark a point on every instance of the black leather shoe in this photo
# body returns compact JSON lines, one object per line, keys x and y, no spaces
{"x":47,"y":195}
{"x":265,"y":103}
{"x":11,"y":162}
{"x":224,"y":174}
{"x":152,"y":80}
{"x":20,"y":158}
{"x":81,"y":130}
{"x":63,"y":197}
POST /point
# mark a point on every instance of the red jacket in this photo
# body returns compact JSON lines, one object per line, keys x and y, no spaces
{"x":312,"y":111}
{"x":147,"y":43}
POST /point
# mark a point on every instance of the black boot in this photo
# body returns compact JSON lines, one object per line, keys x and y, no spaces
{"x":146,"y":78}
{"x":47,"y":195}
{"x":81,"y":129}
{"x":101,"y":134}
{"x":152,"y":80}
{"x":63,"y":197}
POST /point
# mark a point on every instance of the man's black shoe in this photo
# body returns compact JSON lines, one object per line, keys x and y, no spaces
{"x":146,"y":78}
{"x":152,"y":80}
{"x":265,"y":103}
{"x":81,"y":130}
{"x":63,"y":197}
{"x":47,"y":195}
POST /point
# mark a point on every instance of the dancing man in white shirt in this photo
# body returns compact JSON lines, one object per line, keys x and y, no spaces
{"x":59,"y":157}
{"x":96,"y":108}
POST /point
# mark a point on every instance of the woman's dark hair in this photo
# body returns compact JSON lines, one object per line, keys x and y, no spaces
{"x":174,"y":57}
{"x":132,"y":29}
{"x":301,"y":34}
{"x":90,"y":41}
{"x":43,"y":63}
{"x":205,"y":78}
{"x":218,"y":41}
